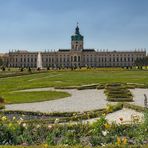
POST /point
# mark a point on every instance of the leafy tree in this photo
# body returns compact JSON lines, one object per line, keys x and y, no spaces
{"x":140,"y":62}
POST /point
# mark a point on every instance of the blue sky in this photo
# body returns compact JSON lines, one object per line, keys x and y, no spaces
{"x":48,"y":24}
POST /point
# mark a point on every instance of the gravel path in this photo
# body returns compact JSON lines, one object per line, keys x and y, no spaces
{"x":138,"y":94}
{"x":80,"y":100}
{"x":114,"y":117}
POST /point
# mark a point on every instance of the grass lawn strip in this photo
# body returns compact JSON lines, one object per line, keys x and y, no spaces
{"x":34,"y":96}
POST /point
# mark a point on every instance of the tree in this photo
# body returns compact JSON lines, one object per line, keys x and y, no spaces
{"x":1,"y":62}
{"x":140,"y":62}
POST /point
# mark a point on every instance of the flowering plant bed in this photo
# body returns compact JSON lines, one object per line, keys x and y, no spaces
{"x":100,"y":133}
{"x":63,"y":117}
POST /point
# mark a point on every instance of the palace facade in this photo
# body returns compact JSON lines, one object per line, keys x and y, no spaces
{"x":77,"y":56}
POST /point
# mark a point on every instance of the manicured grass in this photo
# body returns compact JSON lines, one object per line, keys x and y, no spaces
{"x":23,"y":97}
{"x":70,"y":78}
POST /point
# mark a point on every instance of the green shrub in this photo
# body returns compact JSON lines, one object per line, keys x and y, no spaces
{"x":134,"y":107}
{"x":91,"y":86}
{"x":101,"y":86}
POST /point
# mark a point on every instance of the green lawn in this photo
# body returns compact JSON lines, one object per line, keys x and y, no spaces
{"x":67,"y":78}
{"x":22,"y":97}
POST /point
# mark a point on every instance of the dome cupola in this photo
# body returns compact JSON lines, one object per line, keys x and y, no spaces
{"x":77,"y":40}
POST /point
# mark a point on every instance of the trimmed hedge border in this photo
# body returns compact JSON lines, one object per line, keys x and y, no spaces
{"x":118,"y":92}
{"x":65,"y":117}
{"x":66,"y":87}
{"x":91,"y":86}
{"x":134,"y":107}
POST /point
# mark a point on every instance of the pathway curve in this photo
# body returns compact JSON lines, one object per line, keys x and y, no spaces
{"x":80,"y":100}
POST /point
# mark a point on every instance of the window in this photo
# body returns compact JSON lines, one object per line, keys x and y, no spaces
{"x":78,"y":58}
{"x":75,"y":58}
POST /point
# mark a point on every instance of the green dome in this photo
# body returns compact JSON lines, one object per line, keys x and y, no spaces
{"x":77,"y":36}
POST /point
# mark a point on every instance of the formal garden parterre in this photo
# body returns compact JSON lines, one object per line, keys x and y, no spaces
{"x":68,"y":128}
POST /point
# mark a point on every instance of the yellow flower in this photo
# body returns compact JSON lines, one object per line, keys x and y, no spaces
{"x":124,"y":140}
{"x":107,"y":125}
{"x":118,"y":140}
{"x":14,"y":118}
{"x":4,"y":118}
{"x":10,"y":125}
{"x":45,"y":145}
{"x":19,"y":122}
{"x":103,"y":114}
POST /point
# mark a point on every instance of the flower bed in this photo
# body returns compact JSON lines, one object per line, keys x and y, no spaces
{"x":101,"y":133}
{"x":63,"y":117}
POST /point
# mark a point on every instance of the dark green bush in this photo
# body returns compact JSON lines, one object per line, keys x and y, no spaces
{"x":91,"y":86}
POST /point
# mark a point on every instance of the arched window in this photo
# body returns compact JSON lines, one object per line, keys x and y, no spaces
{"x":75,"y":58}
{"x":76,"y":46}
{"x":71,"y":58}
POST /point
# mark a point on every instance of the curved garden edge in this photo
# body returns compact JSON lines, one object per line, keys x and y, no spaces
{"x":87,"y":116}
{"x":18,"y":97}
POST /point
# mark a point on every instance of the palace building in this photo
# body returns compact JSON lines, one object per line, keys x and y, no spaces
{"x":77,"y":56}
